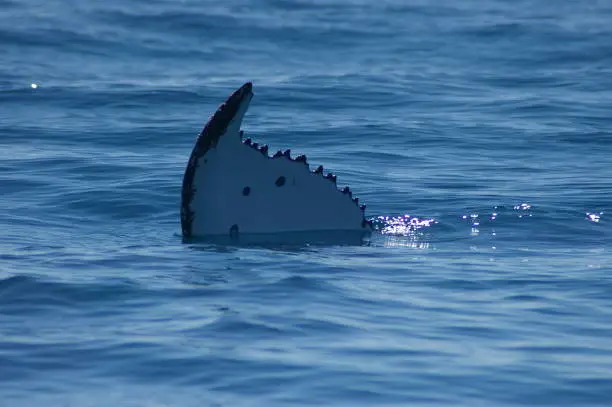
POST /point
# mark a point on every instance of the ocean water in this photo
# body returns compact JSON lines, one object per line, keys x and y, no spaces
{"x":478,"y":133}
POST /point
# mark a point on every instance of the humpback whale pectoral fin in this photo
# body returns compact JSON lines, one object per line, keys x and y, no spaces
{"x":226,"y":185}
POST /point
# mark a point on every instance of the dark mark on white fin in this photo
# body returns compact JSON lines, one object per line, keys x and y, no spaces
{"x":215,"y":189}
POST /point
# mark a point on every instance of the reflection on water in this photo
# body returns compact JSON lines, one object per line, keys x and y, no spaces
{"x":404,"y":231}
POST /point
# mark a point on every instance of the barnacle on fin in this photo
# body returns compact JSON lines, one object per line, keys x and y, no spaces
{"x":248,"y":141}
{"x":264,"y":149}
{"x":287,"y":153}
{"x":301,"y":158}
{"x":319,"y":170}
{"x":278,"y":154}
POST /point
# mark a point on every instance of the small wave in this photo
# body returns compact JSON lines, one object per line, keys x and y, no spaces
{"x":231,"y":323}
{"x":57,"y":37}
{"x":24,"y":294}
{"x":5,"y":4}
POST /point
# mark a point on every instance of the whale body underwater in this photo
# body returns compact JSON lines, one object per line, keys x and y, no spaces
{"x":233,"y":187}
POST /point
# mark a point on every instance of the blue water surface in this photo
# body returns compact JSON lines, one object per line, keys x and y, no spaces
{"x":478,"y":133}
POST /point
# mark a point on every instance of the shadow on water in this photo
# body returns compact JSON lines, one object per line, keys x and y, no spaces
{"x":387,"y":231}
{"x":286,"y":241}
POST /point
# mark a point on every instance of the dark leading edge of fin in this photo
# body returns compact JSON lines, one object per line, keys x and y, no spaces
{"x":215,"y":128}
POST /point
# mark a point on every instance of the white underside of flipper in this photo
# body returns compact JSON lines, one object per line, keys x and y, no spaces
{"x":236,"y":188}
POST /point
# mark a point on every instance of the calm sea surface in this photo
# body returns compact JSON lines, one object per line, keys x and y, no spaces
{"x":479,"y":134}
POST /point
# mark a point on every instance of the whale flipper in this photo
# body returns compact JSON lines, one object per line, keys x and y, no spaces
{"x":233,"y":187}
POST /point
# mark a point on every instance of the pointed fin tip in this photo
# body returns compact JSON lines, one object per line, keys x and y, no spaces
{"x":247,"y":87}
